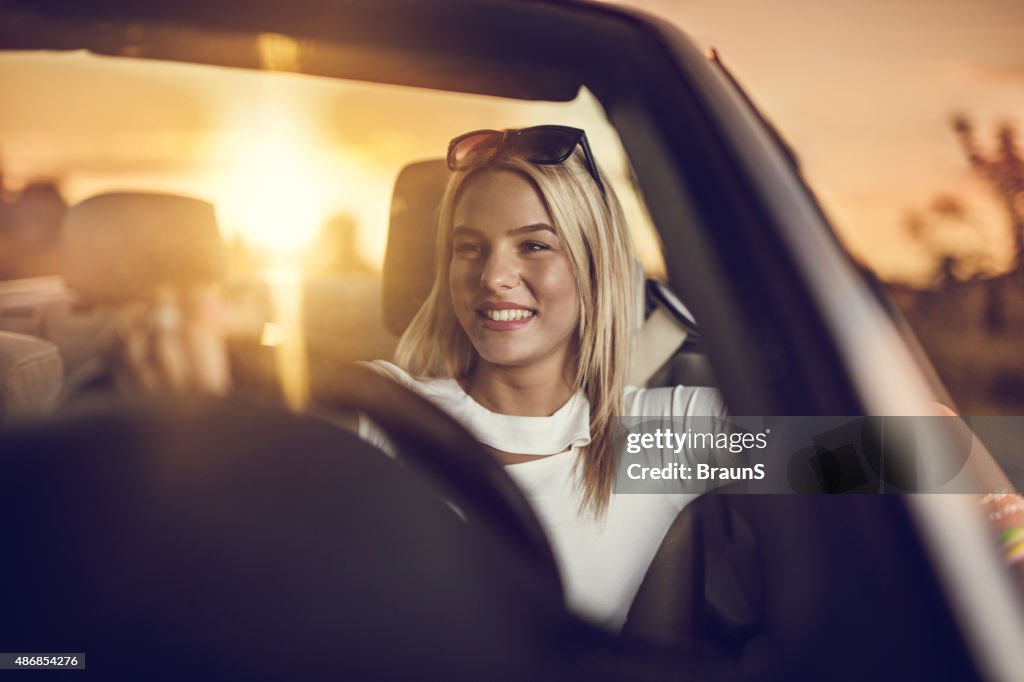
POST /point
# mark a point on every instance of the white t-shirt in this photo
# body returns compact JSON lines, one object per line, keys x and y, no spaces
{"x":602,"y":562}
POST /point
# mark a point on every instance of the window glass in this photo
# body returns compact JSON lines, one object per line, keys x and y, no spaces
{"x":282,"y":156}
{"x":300,"y":171}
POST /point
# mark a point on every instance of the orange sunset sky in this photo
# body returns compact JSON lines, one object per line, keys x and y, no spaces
{"x":864,"y":92}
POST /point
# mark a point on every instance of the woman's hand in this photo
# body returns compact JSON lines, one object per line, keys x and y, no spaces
{"x":174,"y":343}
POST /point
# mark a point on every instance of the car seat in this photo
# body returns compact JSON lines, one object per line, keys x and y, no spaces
{"x":409,"y":259}
{"x":31,"y":376}
{"x":115,"y":249}
{"x":22,"y":300}
{"x":800,"y":587}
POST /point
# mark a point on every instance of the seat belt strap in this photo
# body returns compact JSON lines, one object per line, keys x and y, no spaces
{"x":657,"y":341}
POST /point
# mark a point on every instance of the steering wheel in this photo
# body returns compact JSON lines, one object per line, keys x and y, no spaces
{"x":434,"y":443}
{"x":246,"y":538}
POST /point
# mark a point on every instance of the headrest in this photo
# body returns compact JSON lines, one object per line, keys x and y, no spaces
{"x":119,"y":246}
{"x":31,"y":376}
{"x":409,"y":259}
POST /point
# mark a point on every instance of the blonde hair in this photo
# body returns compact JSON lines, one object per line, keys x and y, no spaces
{"x":593,"y":229}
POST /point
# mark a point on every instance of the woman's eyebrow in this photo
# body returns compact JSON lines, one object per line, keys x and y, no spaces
{"x":535,"y":227}
{"x":525,"y":229}
{"x":466,"y":231}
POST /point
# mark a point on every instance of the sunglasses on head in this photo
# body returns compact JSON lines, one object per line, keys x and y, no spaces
{"x":543,"y":145}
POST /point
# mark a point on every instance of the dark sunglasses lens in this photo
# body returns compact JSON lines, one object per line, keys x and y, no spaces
{"x":546,"y":145}
{"x":463,"y":149}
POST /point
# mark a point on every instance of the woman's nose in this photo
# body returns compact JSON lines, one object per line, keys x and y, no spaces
{"x":501,"y":271}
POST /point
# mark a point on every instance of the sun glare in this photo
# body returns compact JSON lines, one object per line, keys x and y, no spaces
{"x":285,"y":334}
{"x":276,"y":198}
{"x":276,"y":195}
{"x":281,"y":180}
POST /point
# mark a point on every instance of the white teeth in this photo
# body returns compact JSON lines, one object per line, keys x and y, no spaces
{"x":508,"y":315}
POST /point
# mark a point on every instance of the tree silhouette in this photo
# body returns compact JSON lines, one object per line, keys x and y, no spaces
{"x":1003,"y":170}
{"x":936,"y":228}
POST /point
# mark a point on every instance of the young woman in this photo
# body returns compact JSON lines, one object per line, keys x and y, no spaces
{"x":525,"y":339}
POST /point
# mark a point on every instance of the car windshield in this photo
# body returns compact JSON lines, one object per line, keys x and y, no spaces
{"x":300,"y":171}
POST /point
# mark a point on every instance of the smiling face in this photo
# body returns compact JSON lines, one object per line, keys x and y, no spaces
{"x":510,"y":279}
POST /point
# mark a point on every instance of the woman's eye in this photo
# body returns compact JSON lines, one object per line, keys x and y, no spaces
{"x":534,"y":247}
{"x":467,"y":249}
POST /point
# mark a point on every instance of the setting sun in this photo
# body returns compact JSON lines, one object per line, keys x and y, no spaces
{"x":277,"y":188}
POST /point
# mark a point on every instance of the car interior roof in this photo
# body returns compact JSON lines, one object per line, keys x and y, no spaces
{"x":530,"y":50}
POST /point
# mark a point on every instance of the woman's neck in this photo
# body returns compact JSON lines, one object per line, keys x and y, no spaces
{"x":536,"y":391}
